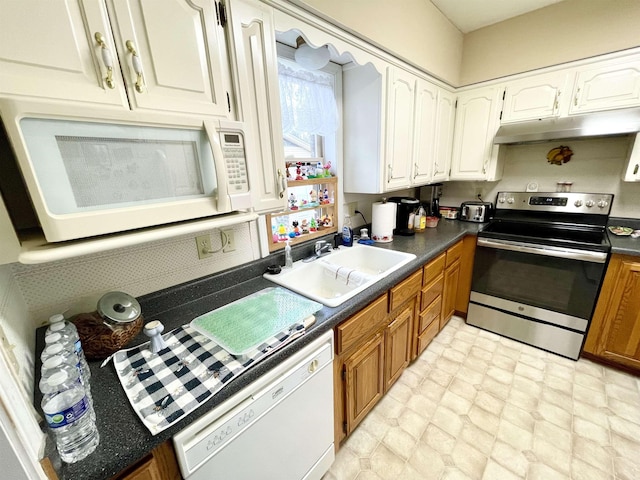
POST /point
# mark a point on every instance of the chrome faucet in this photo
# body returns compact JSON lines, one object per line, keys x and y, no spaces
{"x":321,"y":248}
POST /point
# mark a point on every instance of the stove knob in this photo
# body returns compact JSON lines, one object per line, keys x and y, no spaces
{"x":603,"y":204}
{"x":511,"y":200}
{"x":501,"y":199}
{"x":578,"y":203}
{"x":590,"y":203}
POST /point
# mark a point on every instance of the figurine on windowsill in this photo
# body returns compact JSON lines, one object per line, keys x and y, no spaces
{"x":325,"y":197}
{"x":304,"y":225}
{"x":313,"y":227}
{"x":326,"y":172}
{"x":313,"y":197}
{"x":296,"y":228}
{"x":293,"y":202}
{"x":299,"y":171}
{"x":282,"y":233}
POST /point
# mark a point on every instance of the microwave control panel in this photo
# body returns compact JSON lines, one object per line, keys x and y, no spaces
{"x":234,"y":158}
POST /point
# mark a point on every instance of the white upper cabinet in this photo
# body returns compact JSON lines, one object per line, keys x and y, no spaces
{"x":606,"y":86}
{"x":399,"y":128}
{"x":172,"y":54}
{"x":536,"y":97}
{"x":426,"y":106}
{"x":254,"y":48}
{"x":632,"y":171}
{"x":49,"y":50}
{"x":443,"y":144}
{"x":475,"y":157}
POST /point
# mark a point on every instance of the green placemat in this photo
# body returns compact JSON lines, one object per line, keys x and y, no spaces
{"x":244,"y":324}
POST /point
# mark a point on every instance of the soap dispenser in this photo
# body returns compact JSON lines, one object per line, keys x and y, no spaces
{"x":288,"y":259}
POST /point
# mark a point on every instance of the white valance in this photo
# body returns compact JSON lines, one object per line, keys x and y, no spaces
{"x":307,"y":100}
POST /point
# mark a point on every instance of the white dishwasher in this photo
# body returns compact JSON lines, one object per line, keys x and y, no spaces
{"x":278,"y":427}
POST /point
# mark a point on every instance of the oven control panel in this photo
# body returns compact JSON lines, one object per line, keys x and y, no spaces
{"x":562,"y":202}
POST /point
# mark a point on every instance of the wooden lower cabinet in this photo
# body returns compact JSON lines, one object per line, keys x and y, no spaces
{"x":364,"y":380}
{"x":614,"y":334}
{"x":449,"y":292}
{"x":160,"y":464}
{"x":365,"y":369}
{"x":397,"y":344}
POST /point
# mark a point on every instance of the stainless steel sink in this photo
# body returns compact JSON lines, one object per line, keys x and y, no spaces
{"x":333,"y":279}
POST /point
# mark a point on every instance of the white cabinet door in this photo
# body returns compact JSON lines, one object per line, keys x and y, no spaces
{"x":9,"y":244}
{"x":259,"y":102}
{"x":536,"y":97}
{"x":399,"y":128}
{"x":172,"y":55}
{"x":477,"y":118}
{"x":424,"y":132}
{"x":49,"y":50}
{"x":606,"y":86}
{"x":632,"y":172}
{"x":445,"y":117}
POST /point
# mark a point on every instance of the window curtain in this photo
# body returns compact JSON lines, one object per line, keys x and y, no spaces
{"x":307,"y":101}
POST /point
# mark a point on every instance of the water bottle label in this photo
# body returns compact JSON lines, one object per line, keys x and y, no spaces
{"x":68,"y":416}
{"x":77,"y":347}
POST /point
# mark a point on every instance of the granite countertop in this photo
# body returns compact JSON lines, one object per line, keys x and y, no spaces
{"x":124,"y":439}
{"x":624,"y":245}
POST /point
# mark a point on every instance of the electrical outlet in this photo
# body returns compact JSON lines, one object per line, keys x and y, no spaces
{"x":478,"y":192}
{"x":203,"y":242}
{"x":230,"y":241}
{"x":350,"y":209}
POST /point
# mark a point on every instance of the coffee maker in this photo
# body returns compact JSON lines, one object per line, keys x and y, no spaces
{"x":430,"y":198}
{"x":405,"y":210}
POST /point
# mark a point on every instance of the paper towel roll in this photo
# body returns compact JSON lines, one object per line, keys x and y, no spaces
{"x":383,"y":221}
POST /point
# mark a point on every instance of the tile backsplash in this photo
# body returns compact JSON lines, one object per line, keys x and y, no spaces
{"x":596,"y":166}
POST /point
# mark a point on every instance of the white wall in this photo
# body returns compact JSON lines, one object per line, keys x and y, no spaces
{"x":562,"y":32}
{"x":414,"y":30}
{"x":596,"y":166}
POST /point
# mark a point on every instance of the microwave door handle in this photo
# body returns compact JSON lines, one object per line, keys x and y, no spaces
{"x":222,"y":197}
{"x":549,"y":251}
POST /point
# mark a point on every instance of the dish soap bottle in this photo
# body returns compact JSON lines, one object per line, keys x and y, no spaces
{"x":347,"y":232}
{"x":420,"y":220}
{"x":288,"y":259}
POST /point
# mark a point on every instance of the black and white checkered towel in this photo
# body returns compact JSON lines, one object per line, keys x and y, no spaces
{"x":164,"y":387}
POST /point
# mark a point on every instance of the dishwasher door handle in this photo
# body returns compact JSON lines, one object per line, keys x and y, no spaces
{"x":546,"y":250}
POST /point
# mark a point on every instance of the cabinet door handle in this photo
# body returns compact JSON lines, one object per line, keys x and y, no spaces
{"x":635,"y":170}
{"x":416,"y":170}
{"x":556,"y":103}
{"x":107,"y":59}
{"x":137,"y":65}
{"x":389,"y":173}
{"x":282,"y":183}
{"x":575,"y":99}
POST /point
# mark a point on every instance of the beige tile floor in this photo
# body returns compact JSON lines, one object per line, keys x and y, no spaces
{"x":475,"y":405}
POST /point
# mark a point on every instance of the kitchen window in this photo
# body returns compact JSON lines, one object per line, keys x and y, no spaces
{"x":309,"y":108}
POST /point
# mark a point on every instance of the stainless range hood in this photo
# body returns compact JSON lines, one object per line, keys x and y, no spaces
{"x":599,"y":124}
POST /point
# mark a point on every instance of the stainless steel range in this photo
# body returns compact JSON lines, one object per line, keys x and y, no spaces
{"x":539,"y":266}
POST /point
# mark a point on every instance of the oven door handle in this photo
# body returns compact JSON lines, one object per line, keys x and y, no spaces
{"x":549,"y":251}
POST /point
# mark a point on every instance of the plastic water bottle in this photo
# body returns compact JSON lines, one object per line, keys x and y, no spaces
{"x":68,"y":337}
{"x":57,"y":324}
{"x":67,"y":412}
{"x":55,"y":364}
{"x":69,"y":358}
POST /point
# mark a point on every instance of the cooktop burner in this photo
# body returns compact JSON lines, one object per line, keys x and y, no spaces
{"x":574,"y":220}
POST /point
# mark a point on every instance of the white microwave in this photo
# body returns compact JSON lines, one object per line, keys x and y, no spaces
{"x":92,"y":172}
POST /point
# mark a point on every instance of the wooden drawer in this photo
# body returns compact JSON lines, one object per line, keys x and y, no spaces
{"x":431,"y":292}
{"x":405,"y":290}
{"x":434,"y":268}
{"x":358,"y":327}
{"x":454,"y":253}
{"x":425,"y":337}
{"x":430,"y":314}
